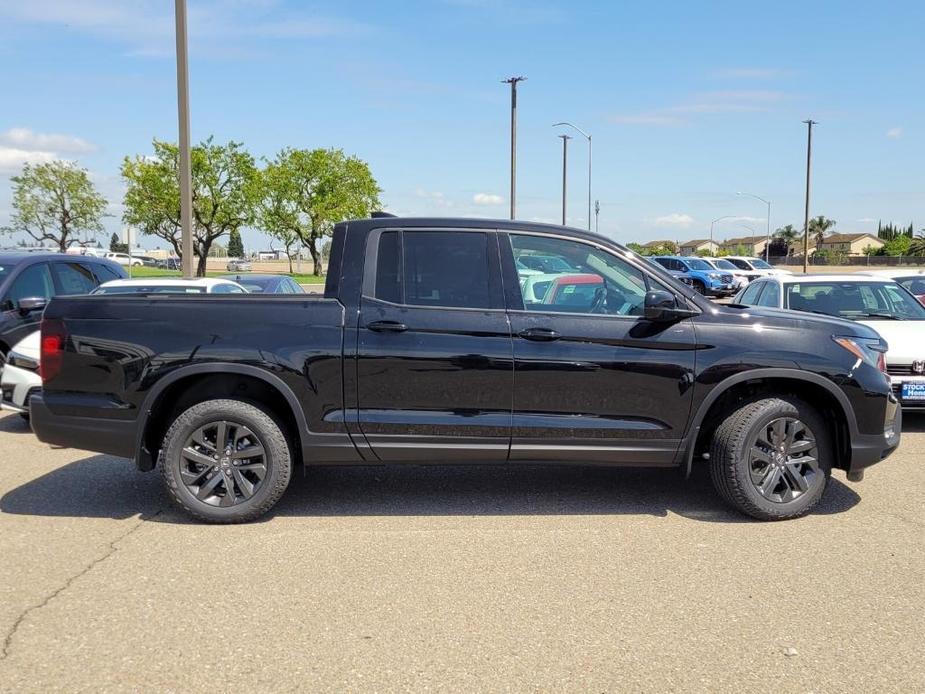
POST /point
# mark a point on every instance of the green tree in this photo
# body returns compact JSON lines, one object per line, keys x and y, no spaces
{"x":819,"y":228}
{"x":55,"y":202}
{"x":225,"y":187}
{"x":636,"y":247}
{"x":917,"y":247}
{"x":235,"y":244}
{"x":789,"y":236}
{"x":115,"y":245}
{"x":304,"y":193}
{"x":898,"y":245}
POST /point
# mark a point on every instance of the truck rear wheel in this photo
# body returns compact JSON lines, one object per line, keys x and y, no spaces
{"x":772,"y":458}
{"x":225,"y":461}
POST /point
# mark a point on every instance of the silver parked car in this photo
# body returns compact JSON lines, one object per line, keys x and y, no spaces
{"x":238,"y":265}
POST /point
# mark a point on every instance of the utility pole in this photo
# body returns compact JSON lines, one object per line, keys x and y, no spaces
{"x":186,"y":194}
{"x":513,"y":82}
{"x":809,"y":159}
{"x":587,"y":136}
{"x":597,"y":215}
{"x":565,"y":139}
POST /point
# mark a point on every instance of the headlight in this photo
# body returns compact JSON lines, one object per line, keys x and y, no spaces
{"x":870,"y":350}
{"x":715,"y":276}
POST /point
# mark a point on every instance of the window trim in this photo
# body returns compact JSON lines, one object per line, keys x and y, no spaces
{"x":371,"y":264}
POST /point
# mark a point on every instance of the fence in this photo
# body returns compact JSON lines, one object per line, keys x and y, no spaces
{"x":854,"y":260}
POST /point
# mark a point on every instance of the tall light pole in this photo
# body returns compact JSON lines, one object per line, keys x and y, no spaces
{"x":588,"y":137}
{"x":809,"y":160}
{"x":186,"y":194}
{"x":597,"y":215}
{"x":718,"y":219}
{"x":513,"y":82}
{"x":565,"y":139}
{"x":767,"y":245}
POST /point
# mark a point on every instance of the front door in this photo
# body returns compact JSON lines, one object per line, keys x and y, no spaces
{"x":434,"y":363}
{"x":593,"y":380}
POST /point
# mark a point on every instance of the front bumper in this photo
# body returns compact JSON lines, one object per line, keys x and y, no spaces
{"x":115,"y":437}
{"x":16,"y":387}
{"x":868,"y":449}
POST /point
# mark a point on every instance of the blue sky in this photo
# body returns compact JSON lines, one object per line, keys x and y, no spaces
{"x":688,"y":102}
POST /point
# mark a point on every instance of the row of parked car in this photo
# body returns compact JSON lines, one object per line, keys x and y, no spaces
{"x":29,"y":280}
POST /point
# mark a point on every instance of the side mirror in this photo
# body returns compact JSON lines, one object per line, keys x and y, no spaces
{"x":31,"y":303}
{"x":662,"y":306}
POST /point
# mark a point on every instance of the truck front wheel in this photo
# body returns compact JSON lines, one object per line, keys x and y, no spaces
{"x":772,"y":458}
{"x":225,"y":461}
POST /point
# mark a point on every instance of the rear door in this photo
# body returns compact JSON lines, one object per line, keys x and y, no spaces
{"x":33,"y":281}
{"x":434,"y":354}
{"x":593,"y":380}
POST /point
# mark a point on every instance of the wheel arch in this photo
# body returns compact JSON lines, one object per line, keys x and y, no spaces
{"x":816,"y":390}
{"x":174,"y":392}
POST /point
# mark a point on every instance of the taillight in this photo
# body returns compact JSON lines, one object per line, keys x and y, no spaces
{"x":881,"y":362}
{"x":52,"y":348}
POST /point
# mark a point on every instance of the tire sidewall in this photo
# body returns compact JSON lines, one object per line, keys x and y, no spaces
{"x":809,"y":498}
{"x":267,"y":430}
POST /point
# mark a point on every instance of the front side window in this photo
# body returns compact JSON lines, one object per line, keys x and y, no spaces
{"x":434,"y":268}
{"x":739,"y":263}
{"x":33,"y":282}
{"x":770,"y":296}
{"x":596,"y":281}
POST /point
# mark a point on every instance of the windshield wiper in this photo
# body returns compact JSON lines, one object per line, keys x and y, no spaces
{"x":888,"y":316}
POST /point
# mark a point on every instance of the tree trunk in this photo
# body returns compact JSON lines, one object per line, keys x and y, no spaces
{"x":203,"y":257}
{"x":316,"y":259}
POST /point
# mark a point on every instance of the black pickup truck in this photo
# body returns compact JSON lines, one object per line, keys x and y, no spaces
{"x":465,"y":341}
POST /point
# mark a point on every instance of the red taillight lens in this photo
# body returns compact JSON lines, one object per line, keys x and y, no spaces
{"x":53,"y":339}
{"x":881,"y":362}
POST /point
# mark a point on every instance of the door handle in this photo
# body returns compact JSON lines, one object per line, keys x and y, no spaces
{"x":387,"y":326}
{"x":539,"y":334}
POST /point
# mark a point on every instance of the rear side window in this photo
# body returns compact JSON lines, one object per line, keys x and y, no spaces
{"x":434,"y":268}
{"x":74,"y":278}
{"x":771,"y":295}
{"x":105,"y":273}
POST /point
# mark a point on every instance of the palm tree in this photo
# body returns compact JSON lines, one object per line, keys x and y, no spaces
{"x":917,"y":247}
{"x":788,"y":235}
{"x":819,"y":227}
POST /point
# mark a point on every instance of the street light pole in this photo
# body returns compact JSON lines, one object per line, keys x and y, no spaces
{"x":186,"y":194}
{"x":767,"y":245}
{"x":597,"y":215}
{"x":565,"y":139}
{"x":809,"y":159}
{"x":513,"y":82}
{"x":718,"y":219}
{"x":588,"y":137}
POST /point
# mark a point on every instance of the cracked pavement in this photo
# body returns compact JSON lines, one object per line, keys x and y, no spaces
{"x":478,"y":579}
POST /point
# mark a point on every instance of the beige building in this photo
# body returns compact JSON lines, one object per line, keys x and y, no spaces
{"x":746,"y":245}
{"x":850,"y":244}
{"x":697,"y":245}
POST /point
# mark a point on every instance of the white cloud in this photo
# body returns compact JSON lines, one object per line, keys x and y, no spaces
{"x":147,"y":26}
{"x":865,"y":220}
{"x":706,"y":103}
{"x":12,"y":159}
{"x":435,"y":197}
{"x":487,"y":199}
{"x":675,"y":219}
{"x":894,"y":133}
{"x":26,"y":139}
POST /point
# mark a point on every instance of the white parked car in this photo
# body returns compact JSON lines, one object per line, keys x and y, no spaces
{"x":125,"y":259}
{"x":740,"y":277}
{"x":912,"y":279}
{"x":751,"y":264}
{"x":21,"y":374}
{"x":878,"y":302}
{"x":150,"y":285}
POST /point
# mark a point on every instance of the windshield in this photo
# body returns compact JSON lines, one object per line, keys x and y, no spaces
{"x":760,"y":264}
{"x":723,"y":264}
{"x":254,"y":286}
{"x":148,"y":289}
{"x":855,"y":300}
{"x":698,"y":264}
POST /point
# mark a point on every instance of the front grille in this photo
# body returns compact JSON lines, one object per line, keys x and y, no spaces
{"x":726,"y":279}
{"x":901,"y":370}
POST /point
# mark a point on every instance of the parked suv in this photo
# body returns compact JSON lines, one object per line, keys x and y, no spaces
{"x":29,"y":280}
{"x":705,"y":278}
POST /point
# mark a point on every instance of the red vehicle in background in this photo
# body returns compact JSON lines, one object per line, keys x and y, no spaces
{"x":578,"y":291}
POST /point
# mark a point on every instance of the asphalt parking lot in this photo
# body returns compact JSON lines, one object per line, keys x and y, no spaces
{"x":456,"y":579}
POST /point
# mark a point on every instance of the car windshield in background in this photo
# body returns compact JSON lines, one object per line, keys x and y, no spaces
{"x":723,"y":264}
{"x":149,"y":289}
{"x":545,"y":263}
{"x":854,"y":300}
{"x":255,"y":286}
{"x":760,"y":264}
{"x":698,"y":264}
